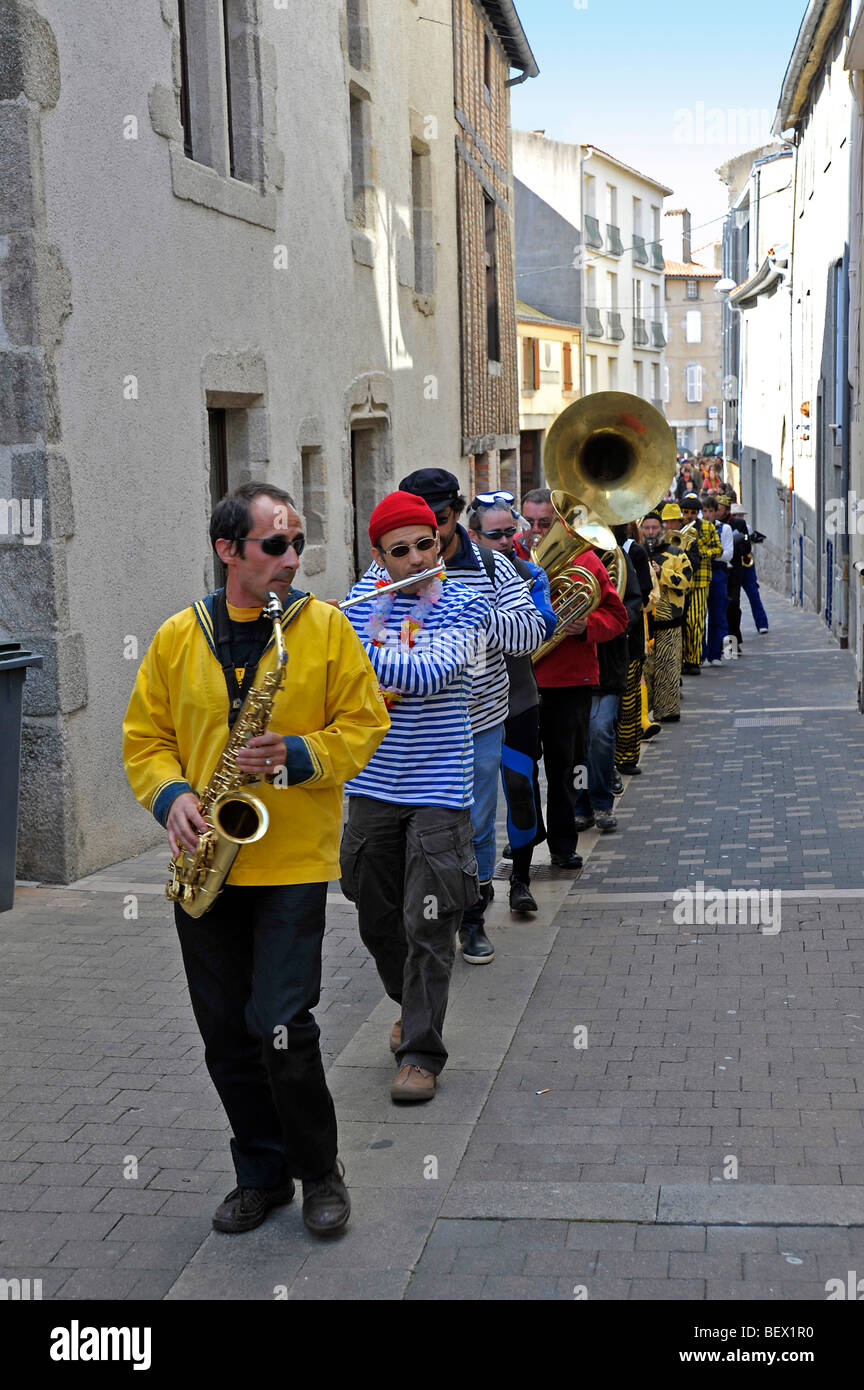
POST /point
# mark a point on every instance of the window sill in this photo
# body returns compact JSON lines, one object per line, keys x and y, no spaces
{"x":363,"y":248}
{"x":495,"y":368}
{"x":199,"y":184}
{"x":424,"y":303}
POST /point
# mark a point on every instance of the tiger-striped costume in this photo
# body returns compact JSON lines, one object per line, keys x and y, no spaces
{"x":709,"y":548}
{"x":663,"y":668}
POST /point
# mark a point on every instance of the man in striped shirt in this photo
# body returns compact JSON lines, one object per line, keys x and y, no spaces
{"x":406,"y":858}
{"x":515,"y":629}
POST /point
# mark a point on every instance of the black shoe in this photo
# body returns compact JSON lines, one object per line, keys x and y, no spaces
{"x":583,"y":822}
{"x":246,"y":1207}
{"x":605,"y":822}
{"x":617,"y":787}
{"x":691,"y":669}
{"x":521,"y":897}
{"x":670,"y":718}
{"x":326,"y":1204}
{"x":477,"y":949}
{"x":631,"y":769}
{"x":566,"y":861}
{"x":508,"y":853}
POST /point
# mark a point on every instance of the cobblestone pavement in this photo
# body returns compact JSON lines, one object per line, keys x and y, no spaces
{"x":636,"y":1106}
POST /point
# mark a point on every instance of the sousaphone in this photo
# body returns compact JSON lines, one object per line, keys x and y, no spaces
{"x":607,"y":459}
{"x":614,"y":453}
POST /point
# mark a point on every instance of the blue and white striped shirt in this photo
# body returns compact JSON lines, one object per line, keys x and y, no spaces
{"x":515,"y":627}
{"x":427,"y":757}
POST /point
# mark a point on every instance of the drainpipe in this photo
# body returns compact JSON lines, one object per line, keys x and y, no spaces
{"x":792,"y":520}
{"x":843,"y":422}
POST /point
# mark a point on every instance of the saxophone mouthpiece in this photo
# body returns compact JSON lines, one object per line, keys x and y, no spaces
{"x":273,"y":607}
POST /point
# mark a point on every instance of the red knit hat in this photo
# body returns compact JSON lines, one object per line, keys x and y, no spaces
{"x":399,"y":509}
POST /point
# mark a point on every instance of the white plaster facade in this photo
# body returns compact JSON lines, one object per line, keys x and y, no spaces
{"x":816,"y":110}
{"x":617,"y":213}
{"x":286,"y":298}
{"x":766,"y":411}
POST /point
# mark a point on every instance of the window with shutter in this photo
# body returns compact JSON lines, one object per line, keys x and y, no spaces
{"x":568,"y":367}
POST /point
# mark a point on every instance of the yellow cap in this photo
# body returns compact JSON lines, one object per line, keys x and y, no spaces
{"x":670,"y":512}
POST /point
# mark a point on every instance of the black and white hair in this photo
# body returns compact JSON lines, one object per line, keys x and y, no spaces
{"x":232,"y":517}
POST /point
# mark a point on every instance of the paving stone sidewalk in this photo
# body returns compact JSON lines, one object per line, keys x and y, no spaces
{"x":543,"y":1169}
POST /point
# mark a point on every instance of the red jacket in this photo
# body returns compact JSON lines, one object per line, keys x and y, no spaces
{"x":521,"y":548}
{"x":574,"y":661}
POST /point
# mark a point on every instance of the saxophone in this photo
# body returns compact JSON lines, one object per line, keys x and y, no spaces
{"x":234,"y":816}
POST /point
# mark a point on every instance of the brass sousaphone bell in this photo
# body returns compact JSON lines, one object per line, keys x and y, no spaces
{"x":614,"y":452}
{"x":607,"y":458}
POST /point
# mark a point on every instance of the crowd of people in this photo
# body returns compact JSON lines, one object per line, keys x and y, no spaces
{"x":417,"y":702}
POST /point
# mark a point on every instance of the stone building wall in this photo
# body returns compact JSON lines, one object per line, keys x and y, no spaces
{"x":142,"y":291}
{"x":490,"y":393}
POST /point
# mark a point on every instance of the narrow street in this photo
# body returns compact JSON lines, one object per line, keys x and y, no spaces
{"x":604,"y":1069}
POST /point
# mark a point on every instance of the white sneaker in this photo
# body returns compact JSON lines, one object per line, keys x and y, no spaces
{"x":762,"y":629}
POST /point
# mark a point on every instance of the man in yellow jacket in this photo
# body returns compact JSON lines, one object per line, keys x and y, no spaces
{"x":253,"y":961}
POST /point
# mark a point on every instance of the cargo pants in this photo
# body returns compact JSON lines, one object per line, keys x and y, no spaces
{"x":411,"y":871}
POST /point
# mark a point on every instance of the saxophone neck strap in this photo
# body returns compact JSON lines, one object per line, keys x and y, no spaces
{"x":237,"y":689}
{"x":211,"y":614}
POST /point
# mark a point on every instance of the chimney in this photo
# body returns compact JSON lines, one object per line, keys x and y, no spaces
{"x":678,"y":245}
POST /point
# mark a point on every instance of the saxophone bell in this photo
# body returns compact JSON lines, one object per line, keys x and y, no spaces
{"x":240,"y":816}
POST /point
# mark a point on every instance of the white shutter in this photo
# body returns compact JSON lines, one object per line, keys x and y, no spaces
{"x":693,"y":329}
{"x":694,"y":383}
{"x":666,"y":388}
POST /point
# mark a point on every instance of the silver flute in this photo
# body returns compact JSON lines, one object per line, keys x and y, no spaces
{"x":420,"y":578}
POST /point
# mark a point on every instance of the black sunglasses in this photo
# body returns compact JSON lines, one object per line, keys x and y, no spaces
{"x":499,"y":535}
{"x":277,"y":545}
{"x":400,"y":550}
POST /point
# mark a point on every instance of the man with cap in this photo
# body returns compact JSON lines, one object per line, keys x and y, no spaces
{"x":674,"y":575}
{"x":742,"y":571}
{"x":496,"y":528}
{"x":718,"y":594}
{"x":707,"y":548}
{"x":406,"y":859}
{"x":515,"y":628}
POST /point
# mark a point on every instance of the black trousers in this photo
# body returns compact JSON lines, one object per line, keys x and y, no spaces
{"x":253,"y":964}
{"x":565,"y":714}
{"x":411,"y":871}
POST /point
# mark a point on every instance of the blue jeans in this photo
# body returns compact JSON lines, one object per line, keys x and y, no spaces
{"x":718,"y":626}
{"x":750,"y":585}
{"x":601,"y":757}
{"x":487,"y":771}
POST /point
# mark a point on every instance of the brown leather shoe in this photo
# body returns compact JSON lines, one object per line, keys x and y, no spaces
{"x":396,"y":1035}
{"x":413,"y":1083}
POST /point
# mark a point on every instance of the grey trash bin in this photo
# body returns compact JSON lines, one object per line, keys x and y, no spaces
{"x":14,"y":662}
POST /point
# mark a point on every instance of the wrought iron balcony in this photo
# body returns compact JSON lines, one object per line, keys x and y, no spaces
{"x":658,"y":337}
{"x":614,"y":244}
{"x":614,"y":327}
{"x":593,"y":235}
{"x":640,"y":254}
{"x":640,"y":332}
{"x":595,"y":323}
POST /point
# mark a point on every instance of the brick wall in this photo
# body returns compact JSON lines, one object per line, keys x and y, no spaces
{"x":490,"y":402}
